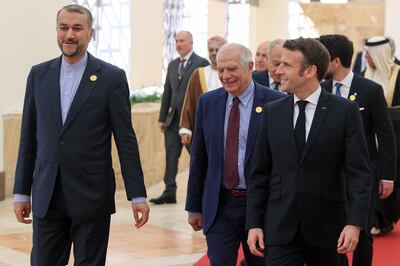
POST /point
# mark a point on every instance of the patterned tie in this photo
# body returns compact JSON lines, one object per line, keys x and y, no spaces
{"x":181,"y":67}
{"x":300,"y":128}
{"x":337,"y":86}
{"x":232,"y":146}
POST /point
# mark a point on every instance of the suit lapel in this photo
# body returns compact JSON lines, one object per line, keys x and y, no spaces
{"x":54,"y":91}
{"x":353,"y":86}
{"x":255,"y":118}
{"x":319,"y":118}
{"x":220,"y":107}
{"x":86,"y":86}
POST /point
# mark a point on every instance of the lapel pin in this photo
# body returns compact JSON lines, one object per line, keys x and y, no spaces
{"x":258,"y":109}
{"x":93,"y":77}
{"x":353,"y":97}
{"x":323,"y":108}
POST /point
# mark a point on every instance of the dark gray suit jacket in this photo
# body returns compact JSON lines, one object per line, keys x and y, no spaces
{"x":81,"y":148}
{"x":175,"y":88}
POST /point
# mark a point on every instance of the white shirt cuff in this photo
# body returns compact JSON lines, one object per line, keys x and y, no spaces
{"x":185,"y":131}
{"x":22,"y":198}
{"x":388,"y":181}
{"x":138,"y":200}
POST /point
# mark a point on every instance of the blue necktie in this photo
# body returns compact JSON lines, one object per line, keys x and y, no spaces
{"x":337,"y":86}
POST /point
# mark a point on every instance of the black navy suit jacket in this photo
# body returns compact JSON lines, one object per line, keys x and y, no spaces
{"x":261,"y":77}
{"x":80,"y":149}
{"x":175,"y":88}
{"x":288,"y":192}
{"x":207,"y":156}
{"x":377,"y":125}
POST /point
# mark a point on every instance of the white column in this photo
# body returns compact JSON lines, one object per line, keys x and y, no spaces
{"x":147,"y":43}
{"x":268,"y":21}
{"x":392,"y":22}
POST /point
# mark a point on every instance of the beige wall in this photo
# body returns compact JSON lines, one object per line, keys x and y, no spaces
{"x":268,"y":21}
{"x":28,"y":37}
{"x":217,"y":13}
{"x":147,"y":42}
{"x":392,"y":22}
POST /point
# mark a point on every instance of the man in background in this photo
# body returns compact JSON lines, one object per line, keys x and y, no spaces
{"x":202,"y":80}
{"x":178,"y":75}
{"x":261,"y":64}
{"x":378,"y":129}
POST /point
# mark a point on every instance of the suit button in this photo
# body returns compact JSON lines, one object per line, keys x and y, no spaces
{"x":61,"y":142}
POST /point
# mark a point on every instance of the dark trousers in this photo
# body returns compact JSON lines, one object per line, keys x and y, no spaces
{"x":173,"y":150}
{"x":54,"y":234}
{"x":298,"y":253}
{"x":228,"y":231}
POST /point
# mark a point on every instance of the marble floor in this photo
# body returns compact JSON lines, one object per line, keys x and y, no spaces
{"x":165,"y":240}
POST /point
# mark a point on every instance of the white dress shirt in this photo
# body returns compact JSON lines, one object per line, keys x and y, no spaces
{"x":309,"y":111}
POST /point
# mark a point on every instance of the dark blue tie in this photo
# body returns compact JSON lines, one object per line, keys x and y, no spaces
{"x":337,"y":86}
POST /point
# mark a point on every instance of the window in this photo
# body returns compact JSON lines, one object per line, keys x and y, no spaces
{"x":238,"y":22}
{"x":112,"y":38}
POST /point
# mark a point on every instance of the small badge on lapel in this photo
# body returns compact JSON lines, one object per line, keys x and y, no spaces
{"x":258,"y":109}
{"x":323,"y":107}
{"x":93,"y":77}
{"x":353,"y":97}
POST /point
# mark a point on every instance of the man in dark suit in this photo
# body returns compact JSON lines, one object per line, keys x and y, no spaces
{"x":178,"y":75}
{"x":308,"y":190}
{"x":73,"y":104}
{"x":272,"y":80}
{"x":378,"y":129}
{"x":227,"y":121}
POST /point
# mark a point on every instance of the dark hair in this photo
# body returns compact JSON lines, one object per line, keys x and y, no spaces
{"x":314,"y":53}
{"x":75,"y":8}
{"x":338,"y":46}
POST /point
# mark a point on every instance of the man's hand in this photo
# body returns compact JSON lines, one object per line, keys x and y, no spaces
{"x":255,"y":240}
{"x":186,"y":139}
{"x":161,"y":125}
{"x":143,"y":209}
{"x":348,"y":239}
{"x":385,"y":189}
{"x":196,"y":221}
{"x":22,"y":210}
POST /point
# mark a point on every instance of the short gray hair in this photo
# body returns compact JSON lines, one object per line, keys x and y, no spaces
{"x":245,"y":56}
{"x":273,"y":44}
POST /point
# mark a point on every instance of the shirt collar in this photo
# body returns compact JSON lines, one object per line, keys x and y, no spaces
{"x":313,"y":98}
{"x":346,"y":81}
{"x":186,"y":57}
{"x":245,"y":96}
{"x":78,"y":65}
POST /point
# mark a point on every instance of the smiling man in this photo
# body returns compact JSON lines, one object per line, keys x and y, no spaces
{"x":308,"y":190}
{"x":73,"y":104}
{"x":227,"y":122}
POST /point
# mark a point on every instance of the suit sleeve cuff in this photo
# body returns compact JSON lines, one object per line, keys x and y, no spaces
{"x":22,"y":198}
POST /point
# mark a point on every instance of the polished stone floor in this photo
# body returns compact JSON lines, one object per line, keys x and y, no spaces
{"x":166,"y":240}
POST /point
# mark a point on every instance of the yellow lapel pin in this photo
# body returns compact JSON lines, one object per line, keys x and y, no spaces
{"x":258,"y":109}
{"x":93,"y":77}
